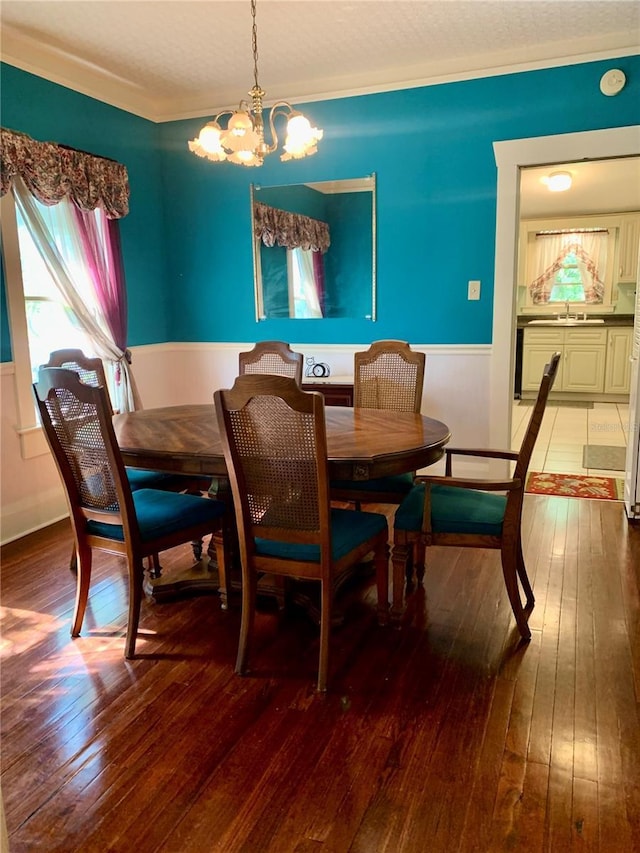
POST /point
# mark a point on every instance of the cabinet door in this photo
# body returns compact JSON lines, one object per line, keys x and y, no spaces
{"x":618,"y":371}
{"x":629,"y":240}
{"x":539,"y":344}
{"x":583,"y":368}
{"x":534,"y":359}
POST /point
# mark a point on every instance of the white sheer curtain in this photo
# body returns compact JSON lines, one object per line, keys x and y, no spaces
{"x":590,"y":248}
{"x":303,"y":284}
{"x":61,"y":249}
{"x":592,"y":262}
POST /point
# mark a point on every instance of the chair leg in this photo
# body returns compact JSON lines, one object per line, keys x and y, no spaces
{"x":223,"y":560}
{"x":381,"y":559}
{"x":510,"y":574}
{"x":73,"y":560}
{"x":155,"y":569}
{"x":84,"y":557}
{"x":249,"y":585}
{"x":326,"y":596}
{"x":399,"y":560}
{"x":419,"y":558}
{"x":136,"y":576}
{"x":524,"y":578}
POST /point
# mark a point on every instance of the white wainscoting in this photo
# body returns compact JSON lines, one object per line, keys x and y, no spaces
{"x":456,"y":391}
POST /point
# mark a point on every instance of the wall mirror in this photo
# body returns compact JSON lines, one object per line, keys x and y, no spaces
{"x":314,"y":249}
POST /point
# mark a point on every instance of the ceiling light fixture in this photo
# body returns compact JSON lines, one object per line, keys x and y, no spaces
{"x":243,"y":140}
{"x":558,"y":182}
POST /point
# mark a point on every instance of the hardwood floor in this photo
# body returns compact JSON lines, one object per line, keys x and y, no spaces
{"x":446,"y":735}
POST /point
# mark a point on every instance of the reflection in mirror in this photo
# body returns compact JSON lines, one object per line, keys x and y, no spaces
{"x":314,"y":249}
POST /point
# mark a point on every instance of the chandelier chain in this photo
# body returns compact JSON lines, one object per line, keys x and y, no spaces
{"x":254,"y":43}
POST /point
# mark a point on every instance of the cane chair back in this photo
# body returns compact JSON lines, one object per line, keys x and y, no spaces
{"x":105,"y":513}
{"x":91,"y":372}
{"x":389,"y":375}
{"x":275,"y":449}
{"x":275,"y":357}
{"x":474,"y":513}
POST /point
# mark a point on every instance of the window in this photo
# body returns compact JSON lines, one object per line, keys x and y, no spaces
{"x":40,"y":318}
{"x":570,"y":261}
{"x":51,"y":322}
{"x":65,"y":203}
{"x":304,"y":291}
{"x":568,"y":285}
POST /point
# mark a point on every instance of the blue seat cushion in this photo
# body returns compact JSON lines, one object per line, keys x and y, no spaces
{"x":141,"y":479}
{"x":163,"y":513}
{"x":453,"y":510}
{"x":396,"y":484}
{"x":348,"y":530}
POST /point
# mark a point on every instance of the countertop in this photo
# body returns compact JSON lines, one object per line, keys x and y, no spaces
{"x":609,"y":320}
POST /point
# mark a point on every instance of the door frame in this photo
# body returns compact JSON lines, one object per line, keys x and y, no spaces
{"x":511,"y":155}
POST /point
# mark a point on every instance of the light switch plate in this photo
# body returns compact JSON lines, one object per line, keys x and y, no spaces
{"x":474,"y":290}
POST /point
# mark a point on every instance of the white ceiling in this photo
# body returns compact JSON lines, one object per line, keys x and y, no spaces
{"x":598,"y":186}
{"x":170,"y":59}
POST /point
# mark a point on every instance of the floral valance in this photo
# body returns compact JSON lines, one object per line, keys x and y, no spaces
{"x":277,"y":227}
{"x":52,"y":171}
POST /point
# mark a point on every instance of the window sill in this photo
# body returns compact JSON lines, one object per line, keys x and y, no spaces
{"x":32,"y":442}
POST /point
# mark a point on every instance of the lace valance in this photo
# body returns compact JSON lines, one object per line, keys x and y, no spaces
{"x":291,"y":230}
{"x":52,"y":171}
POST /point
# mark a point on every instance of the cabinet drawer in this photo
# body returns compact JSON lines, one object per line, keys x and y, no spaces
{"x":335,"y":393}
{"x":586,"y":336}
{"x":544,"y":335}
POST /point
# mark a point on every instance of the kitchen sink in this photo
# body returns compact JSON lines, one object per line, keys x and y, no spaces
{"x":567,"y":321}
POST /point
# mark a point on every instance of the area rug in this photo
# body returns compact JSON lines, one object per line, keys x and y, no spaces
{"x":604,"y":457}
{"x":576,"y":486}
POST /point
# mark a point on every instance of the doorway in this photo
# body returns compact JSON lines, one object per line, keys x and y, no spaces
{"x":511,"y":157}
{"x":583,"y":433}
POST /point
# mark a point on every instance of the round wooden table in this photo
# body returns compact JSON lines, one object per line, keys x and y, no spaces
{"x":362,"y":444}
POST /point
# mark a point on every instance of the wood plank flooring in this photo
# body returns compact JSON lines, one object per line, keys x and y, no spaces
{"x":445,"y":735}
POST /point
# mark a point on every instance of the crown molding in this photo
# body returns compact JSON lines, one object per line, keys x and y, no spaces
{"x":60,"y":67}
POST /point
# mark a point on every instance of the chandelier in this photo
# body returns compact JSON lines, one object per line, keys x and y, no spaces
{"x":243,"y":140}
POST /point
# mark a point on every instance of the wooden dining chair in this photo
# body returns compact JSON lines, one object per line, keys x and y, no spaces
{"x":471,"y":513}
{"x":106,"y":514}
{"x":274,"y":442}
{"x":274,"y":357}
{"x":389,"y":375}
{"x":91,"y":372}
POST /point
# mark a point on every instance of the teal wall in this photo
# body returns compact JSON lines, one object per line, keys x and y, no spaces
{"x":430,"y":147}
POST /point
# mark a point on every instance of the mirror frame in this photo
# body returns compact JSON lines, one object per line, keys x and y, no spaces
{"x":255,"y":243}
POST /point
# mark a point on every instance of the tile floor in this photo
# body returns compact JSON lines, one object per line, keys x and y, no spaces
{"x":564,"y":432}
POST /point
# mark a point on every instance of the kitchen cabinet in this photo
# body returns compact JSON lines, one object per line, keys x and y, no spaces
{"x":627,"y":253}
{"x":617,"y":378}
{"x":583,"y":363}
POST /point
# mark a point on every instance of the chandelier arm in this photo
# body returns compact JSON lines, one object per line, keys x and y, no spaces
{"x":280,"y":108}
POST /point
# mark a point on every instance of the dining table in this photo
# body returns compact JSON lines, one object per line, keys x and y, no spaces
{"x":362,"y":444}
